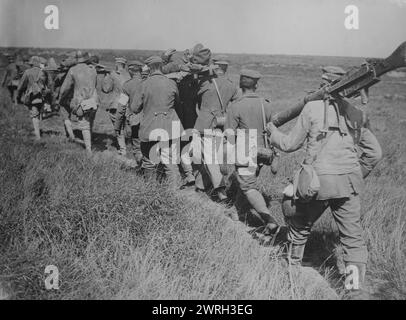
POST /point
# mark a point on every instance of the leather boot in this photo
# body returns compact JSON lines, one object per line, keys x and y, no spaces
{"x":121,"y":144}
{"x":69,"y":130}
{"x":137,"y":150}
{"x":295,"y":253}
{"x":87,"y":138}
{"x":189,"y":177}
{"x":35,"y":123}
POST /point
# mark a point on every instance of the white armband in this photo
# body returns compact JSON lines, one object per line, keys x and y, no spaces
{"x":123,"y":99}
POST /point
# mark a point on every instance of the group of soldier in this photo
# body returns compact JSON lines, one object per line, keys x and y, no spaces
{"x":192,"y":89}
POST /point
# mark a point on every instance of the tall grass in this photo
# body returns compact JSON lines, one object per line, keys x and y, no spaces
{"x":113,"y":235}
{"x":383,"y":206}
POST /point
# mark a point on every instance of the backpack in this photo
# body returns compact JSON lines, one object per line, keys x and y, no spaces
{"x":34,"y":94}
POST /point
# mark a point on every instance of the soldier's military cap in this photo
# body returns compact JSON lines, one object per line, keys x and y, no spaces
{"x":153,"y":59}
{"x":169,"y":52}
{"x":43,"y":60}
{"x":121,"y":60}
{"x":333,"y":70}
{"x":221,"y":62}
{"x":250,"y":74}
{"x":201,"y":54}
{"x":135,"y":65}
{"x":68,"y":62}
{"x":219,"y":57}
{"x":35,"y":61}
{"x":80,"y":56}
{"x":197,"y":48}
{"x":332,"y":73}
{"x":93,"y":59}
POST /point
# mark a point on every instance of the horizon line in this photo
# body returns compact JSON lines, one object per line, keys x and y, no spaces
{"x":220,"y":52}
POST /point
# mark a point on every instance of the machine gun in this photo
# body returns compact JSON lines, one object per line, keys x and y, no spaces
{"x":353,"y":83}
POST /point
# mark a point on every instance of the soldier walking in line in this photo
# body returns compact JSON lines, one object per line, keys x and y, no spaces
{"x":85,"y":102}
{"x":65,"y":102}
{"x":34,"y":91}
{"x":110,"y":89}
{"x":215,"y":92}
{"x":250,"y":112}
{"x":332,"y":137}
{"x":131,"y":89}
{"x":120,"y":75}
{"x":157,"y":101}
{"x":11,"y":78}
{"x":176,"y":61}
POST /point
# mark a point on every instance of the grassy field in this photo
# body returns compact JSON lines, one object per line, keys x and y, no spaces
{"x":114,"y":235}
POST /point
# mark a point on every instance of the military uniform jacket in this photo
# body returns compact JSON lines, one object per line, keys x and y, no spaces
{"x":186,"y":108}
{"x":10,"y":74}
{"x":83,"y":80}
{"x":246,"y":113}
{"x":120,"y":77}
{"x":58,"y":81}
{"x":157,"y":100}
{"x":338,"y":163}
{"x":21,"y":68}
{"x":29,"y":77}
{"x":109,"y":99}
{"x":209,"y":103}
{"x":131,"y":87}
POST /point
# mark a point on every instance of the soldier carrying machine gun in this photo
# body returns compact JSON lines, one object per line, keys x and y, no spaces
{"x":354,"y":83}
{"x":331,"y":175}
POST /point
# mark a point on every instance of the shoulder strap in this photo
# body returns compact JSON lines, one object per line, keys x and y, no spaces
{"x":218,"y":94}
{"x":264,"y":122}
{"x":323,"y":144}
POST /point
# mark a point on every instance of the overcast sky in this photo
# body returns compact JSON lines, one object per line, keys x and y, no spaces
{"x":231,"y":26}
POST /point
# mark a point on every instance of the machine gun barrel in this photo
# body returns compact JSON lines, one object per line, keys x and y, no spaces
{"x":350,"y":84}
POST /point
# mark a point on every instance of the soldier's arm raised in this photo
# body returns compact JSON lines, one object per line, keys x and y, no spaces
{"x":295,"y":139}
{"x":350,"y":84}
{"x":170,"y":67}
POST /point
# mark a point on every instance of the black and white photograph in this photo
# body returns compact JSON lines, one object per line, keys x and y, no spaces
{"x":203,"y":155}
